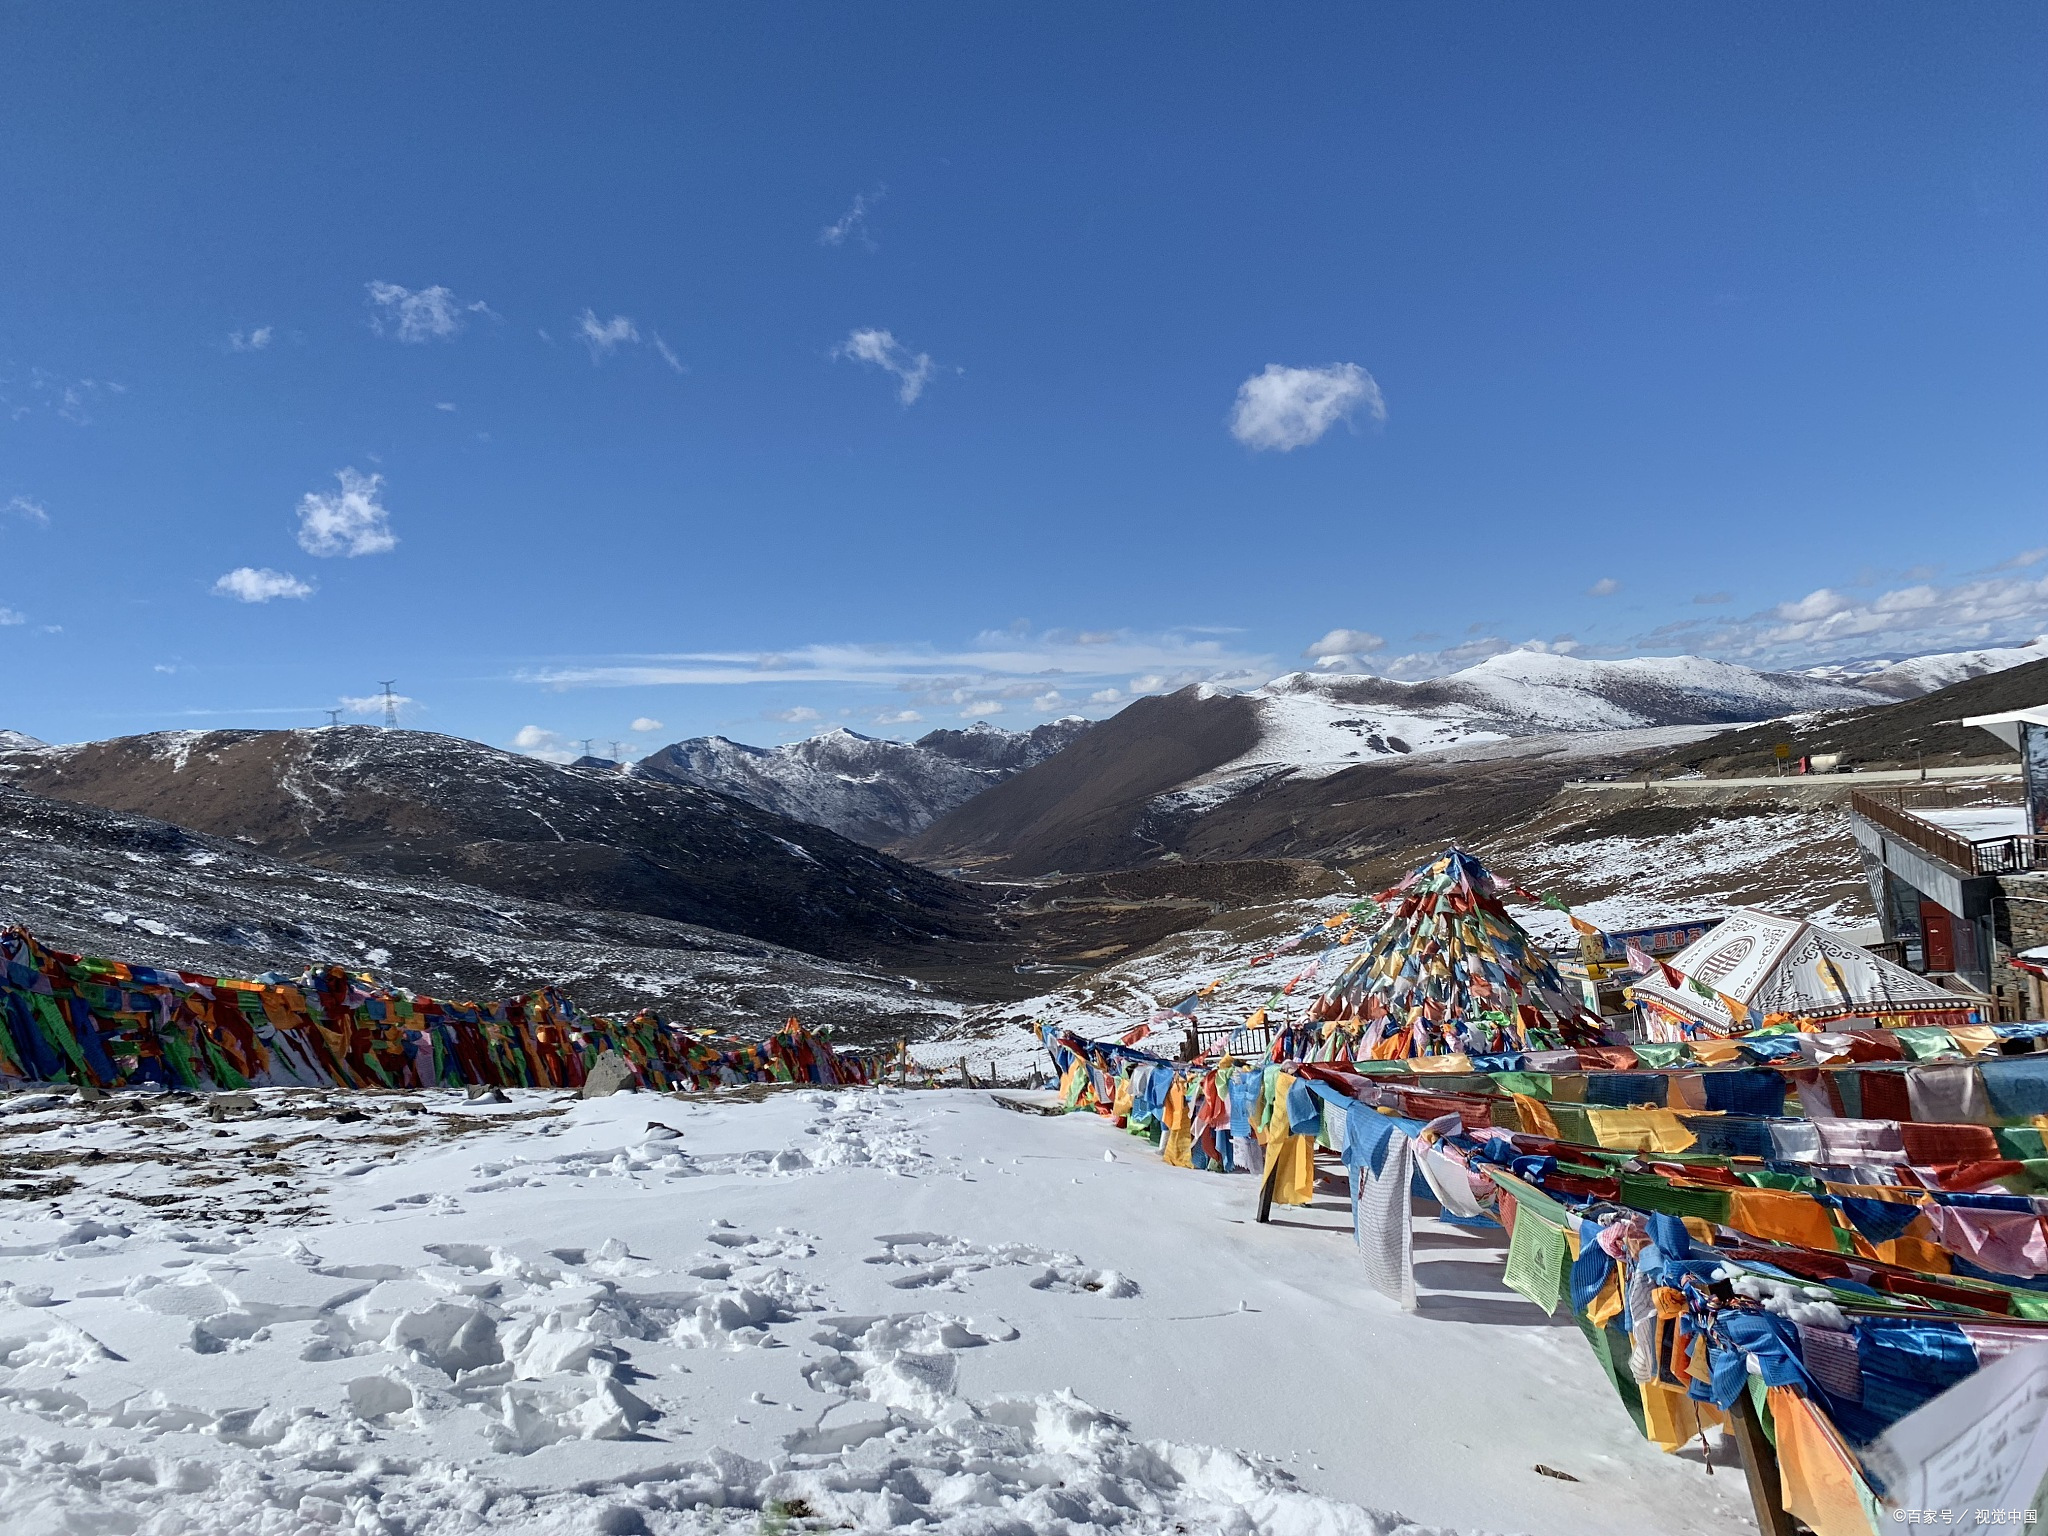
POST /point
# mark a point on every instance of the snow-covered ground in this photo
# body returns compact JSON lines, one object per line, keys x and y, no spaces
{"x":857,"y":1310}
{"x":1800,"y":863}
{"x":1977,"y":822}
{"x":1107,"y":1002}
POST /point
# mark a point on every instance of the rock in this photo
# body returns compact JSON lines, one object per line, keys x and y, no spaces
{"x":607,"y":1075}
{"x":222,"y":1105}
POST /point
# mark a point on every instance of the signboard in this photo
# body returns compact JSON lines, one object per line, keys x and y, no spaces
{"x":1667,"y":940}
{"x":1782,"y":750}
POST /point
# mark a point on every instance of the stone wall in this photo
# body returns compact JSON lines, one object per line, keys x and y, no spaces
{"x":2020,"y":911}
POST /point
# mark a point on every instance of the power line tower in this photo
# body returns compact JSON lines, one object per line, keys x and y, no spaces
{"x":588,"y":742}
{"x":617,"y":748}
{"x":333,"y":717}
{"x":390,"y":704}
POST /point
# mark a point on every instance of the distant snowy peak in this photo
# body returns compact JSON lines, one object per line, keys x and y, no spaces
{"x":1527,"y":693}
{"x":1319,"y":723}
{"x":16,"y":741}
{"x":863,"y":787}
{"x":1916,"y":675}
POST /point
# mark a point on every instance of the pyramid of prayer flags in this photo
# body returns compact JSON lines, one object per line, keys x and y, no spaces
{"x":77,"y":1019}
{"x":1451,"y":971}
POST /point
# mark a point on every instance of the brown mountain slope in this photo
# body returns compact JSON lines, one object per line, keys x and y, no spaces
{"x":1109,"y":802}
{"x":1082,"y":809}
{"x":1928,"y":729}
{"x":409,"y":803}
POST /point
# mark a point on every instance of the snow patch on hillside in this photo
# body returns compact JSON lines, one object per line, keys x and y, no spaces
{"x":1312,"y":724}
{"x":867,"y":788}
{"x":1916,"y":675}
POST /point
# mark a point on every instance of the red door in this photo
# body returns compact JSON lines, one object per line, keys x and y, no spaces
{"x":1937,"y":937}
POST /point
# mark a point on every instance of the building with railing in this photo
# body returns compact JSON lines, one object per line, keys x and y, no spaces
{"x":1962,"y":887}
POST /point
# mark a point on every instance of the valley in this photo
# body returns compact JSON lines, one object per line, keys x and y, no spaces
{"x":1093,"y":870}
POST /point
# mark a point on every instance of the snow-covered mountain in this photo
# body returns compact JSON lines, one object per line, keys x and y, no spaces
{"x":1910,"y":678}
{"x":1321,"y":722}
{"x":869,"y":789}
{"x":17,"y":741}
{"x":1211,"y":772}
{"x":130,"y":887}
{"x":413,"y":804}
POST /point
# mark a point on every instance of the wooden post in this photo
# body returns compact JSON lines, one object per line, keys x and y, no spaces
{"x":1760,"y":1467}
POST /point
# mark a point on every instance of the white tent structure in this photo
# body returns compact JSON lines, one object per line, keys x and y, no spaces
{"x":1781,"y":966}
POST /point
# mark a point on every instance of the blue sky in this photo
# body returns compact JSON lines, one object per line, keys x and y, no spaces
{"x":634,"y":372}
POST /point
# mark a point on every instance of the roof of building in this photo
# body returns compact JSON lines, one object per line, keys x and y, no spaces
{"x":2006,"y":726}
{"x":1780,"y":965}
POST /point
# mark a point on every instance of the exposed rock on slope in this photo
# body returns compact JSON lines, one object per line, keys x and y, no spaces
{"x":871,"y":790}
{"x":412,"y":804}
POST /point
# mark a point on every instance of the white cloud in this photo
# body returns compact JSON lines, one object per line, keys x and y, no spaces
{"x":667,"y":356}
{"x":853,"y":224}
{"x":351,"y":521}
{"x":549,"y":746}
{"x":1288,"y":408}
{"x":1004,"y":667}
{"x":250,"y":341}
{"x":10,"y":616}
{"x":2023,"y":559}
{"x":1346,"y":642}
{"x":604,"y":337}
{"x":1606,"y":586}
{"x":646,"y":723}
{"x":1823,"y":604}
{"x":1005,"y":671}
{"x":882,"y":349}
{"x":370,"y":706}
{"x":419,"y":314}
{"x":246,"y":584}
{"x":68,"y":398}
{"x":444,"y":405}
{"x":1711,"y":599}
{"x":29,"y":511}
{"x":1906,"y":618}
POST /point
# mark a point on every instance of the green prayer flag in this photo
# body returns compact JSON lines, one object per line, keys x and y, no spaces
{"x":1924,"y":1041}
{"x":2022,"y":1143}
{"x":1653,"y":1055}
{"x":1645,"y":1192}
{"x":1537,"y":1256}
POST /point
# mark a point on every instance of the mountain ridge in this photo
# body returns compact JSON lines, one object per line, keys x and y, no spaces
{"x":404,"y":803}
{"x":871,"y":789}
{"x":1215,"y":773}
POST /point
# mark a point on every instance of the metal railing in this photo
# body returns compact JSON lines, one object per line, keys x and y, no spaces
{"x":1968,"y":857}
{"x":1234,"y":1038}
